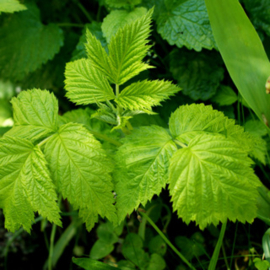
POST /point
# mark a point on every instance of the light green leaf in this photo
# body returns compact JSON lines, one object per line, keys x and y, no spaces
{"x":35,"y":114}
{"x":145,"y":94}
{"x":142,"y":172}
{"x":122,"y":3}
{"x":81,"y":172}
{"x":25,"y":184}
{"x":26,"y":46}
{"x":186,"y":23}
{"x":190,"y":120}
{"x":242,"y":52}
{"x":211,"y":181}
{"x":126,"y":60}
{"x":225,"y":96}
{"x":85,"y":84}
{"x":11,"y":6}
{"x":95,"y":29}
{"x":199,"y":74}
{"x":118,"y":19}
{"x":97,"y":55}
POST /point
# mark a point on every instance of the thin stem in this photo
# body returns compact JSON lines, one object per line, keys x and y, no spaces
{"x":129,"y":126}
{"x":105,"y":138}
{"x":44,"y":141}
{"x":180,"y":255}
{"x":50,"y":266}
{"x":225,"y":256}
{"x":85,"y":12}
{"x":70,"y":25}
{"x":214,"y":259}
{"x":180,"y":143}
{"x":234,"y":240}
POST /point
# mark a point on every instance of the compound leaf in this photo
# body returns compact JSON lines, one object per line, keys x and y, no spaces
{"x":26,"y":46}
{"x":85,"y":84}
{"x":186,"y":23}
{"x":25,"y":184}
{"x":35,"y":114}
{"x":190,"y":120}
{"x":145,"y":94}
{"x":199,"y":74}
{"x":142,"y":172}
{"x":81,"y":172}
{"x":11,"y":6}
{"x":126,"y":60}
{"x":211,"y":180}
{"x":118,"y":19}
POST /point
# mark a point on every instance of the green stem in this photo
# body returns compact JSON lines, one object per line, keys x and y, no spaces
{"x":44,"y":141}
{"x":70,"y":25}
{"x":234,"y":240}
{"x":85,"y":12}
{"x":214,"y":259}
{"x":181,"y":256}
{"x":105,"y":138}
{"x":180,"y":143}
{"x":225,"y":256}
{"x":50,"y":266}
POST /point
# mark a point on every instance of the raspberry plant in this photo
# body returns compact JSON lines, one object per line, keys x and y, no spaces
{"x":203,"y":155}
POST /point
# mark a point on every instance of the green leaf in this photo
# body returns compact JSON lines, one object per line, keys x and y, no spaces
{"x":145,"y":94}
{"x":132,"y":250}
{"x":211,"y":181}
{"x":242,"y":52}
{"x":189,"y":247}
{"x":37,"y":44}
{"x":157,"y":245}
{"x":101,"y":249}
{"x":156,"y":262}
{"x":186,"y":23}
{"x":259,"y":14}
{"x":199,"y":74}
{"x":85,"y":84}
{"x":11,"y":6}
{"x":142,"y":172}
{"x":225,"y":96}
{"x":261,"y":264}
{"x":190,"y":120}
{"x":255,"y":127}
{"x":26,"y":185}
{"x":122,"y":3}
{"x":118,"y":19}
{"x":90,"y":264}
{"x":81,"y":172}
{"x":95,"y":29}
{"x":35,"y":114}
{"x":125,"y":61}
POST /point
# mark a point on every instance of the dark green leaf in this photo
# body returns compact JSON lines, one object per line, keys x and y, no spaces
{"x":198,"y":74}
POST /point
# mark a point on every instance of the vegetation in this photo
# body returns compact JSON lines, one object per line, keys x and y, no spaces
{"x":126,"y":144}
